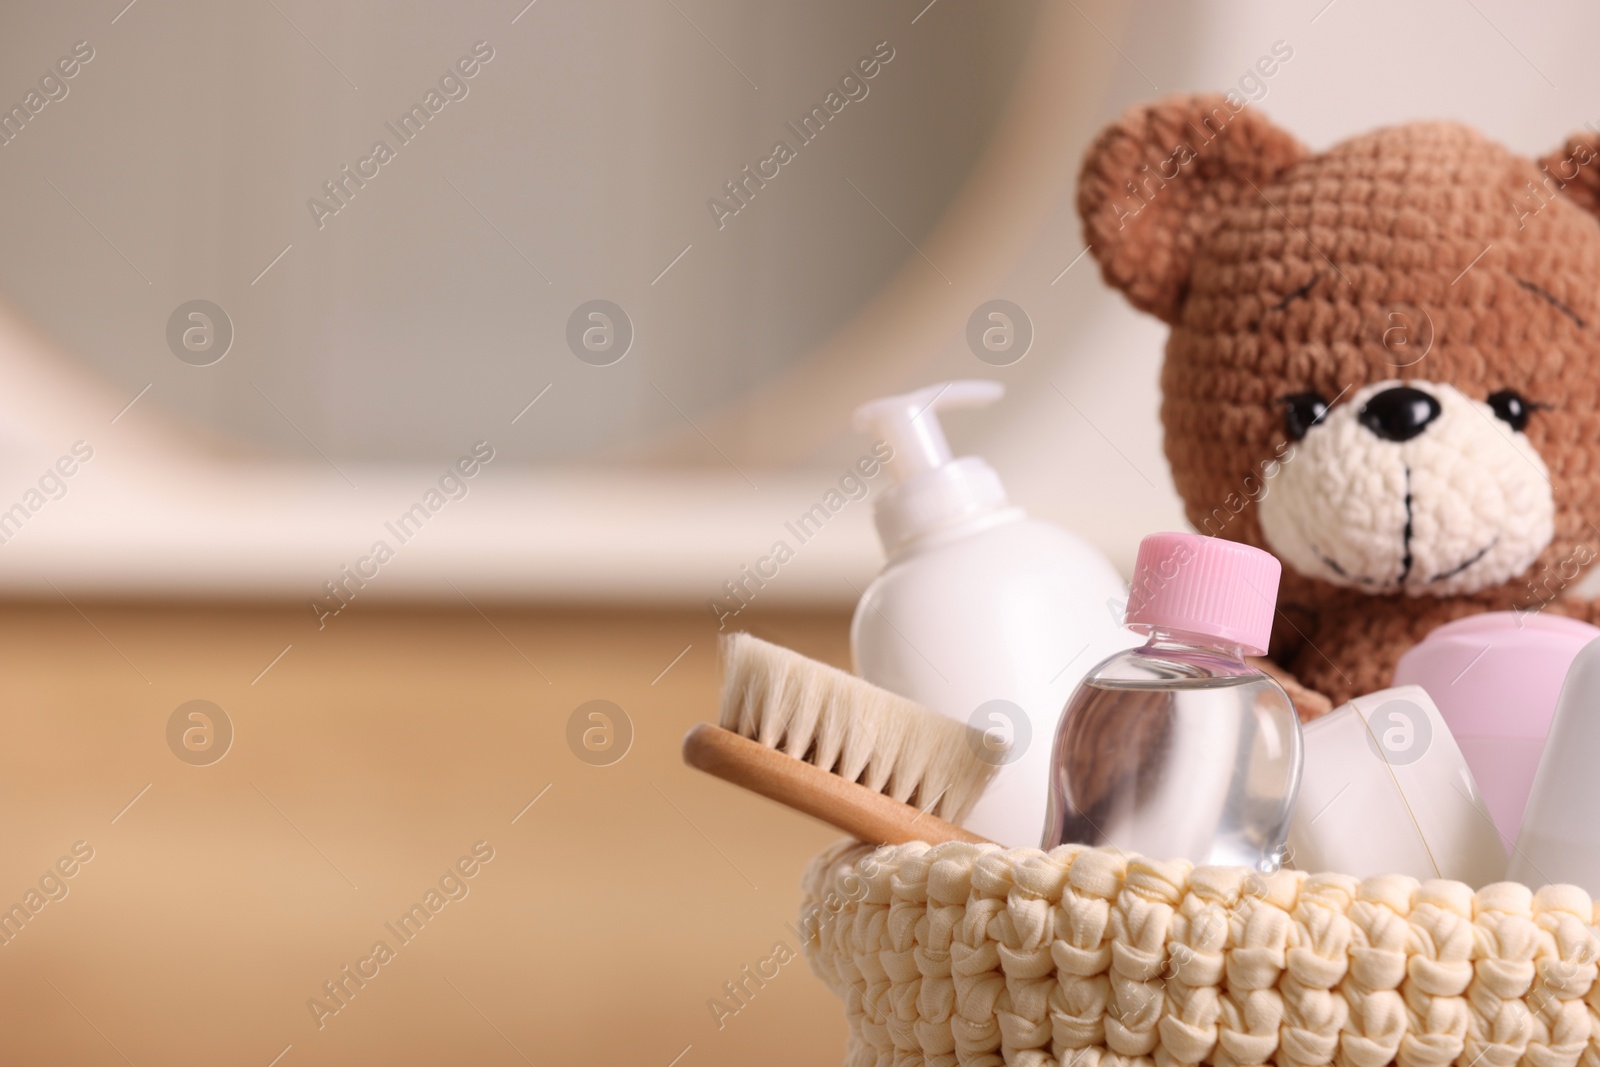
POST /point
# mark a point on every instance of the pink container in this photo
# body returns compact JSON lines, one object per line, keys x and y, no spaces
{"x":1495,"y":678}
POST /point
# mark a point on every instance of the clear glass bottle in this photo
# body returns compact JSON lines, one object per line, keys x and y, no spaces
{"x":1180,"y":748}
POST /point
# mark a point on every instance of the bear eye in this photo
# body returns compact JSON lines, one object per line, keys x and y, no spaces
{"x":1301,"y":411}
{"x":1509,"y":406}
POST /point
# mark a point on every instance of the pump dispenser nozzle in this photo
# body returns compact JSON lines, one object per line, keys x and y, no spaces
{"x":910,"y":422}
{"x":931,"y":490}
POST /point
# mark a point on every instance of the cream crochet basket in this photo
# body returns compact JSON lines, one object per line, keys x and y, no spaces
{"x":980,"y":955}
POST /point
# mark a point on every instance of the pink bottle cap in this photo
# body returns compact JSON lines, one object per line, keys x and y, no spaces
{"x":1205,"y":585}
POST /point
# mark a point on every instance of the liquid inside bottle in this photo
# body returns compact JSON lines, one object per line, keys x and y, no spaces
{"x":1177,"y":749}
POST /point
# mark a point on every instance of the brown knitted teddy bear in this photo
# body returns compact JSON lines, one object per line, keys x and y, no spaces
{"x":1383,"y":365}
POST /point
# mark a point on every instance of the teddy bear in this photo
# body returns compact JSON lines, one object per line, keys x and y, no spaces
{"x":1382,"y":366}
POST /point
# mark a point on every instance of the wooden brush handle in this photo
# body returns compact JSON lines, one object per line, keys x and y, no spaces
{"x":871,"y":817}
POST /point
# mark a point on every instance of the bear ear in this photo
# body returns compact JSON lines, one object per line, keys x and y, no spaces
{"x":1154,"y":184}
{"x":1575,"y":166}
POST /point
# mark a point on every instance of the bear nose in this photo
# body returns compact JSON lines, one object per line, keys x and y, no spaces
{"x":1399,"y":414}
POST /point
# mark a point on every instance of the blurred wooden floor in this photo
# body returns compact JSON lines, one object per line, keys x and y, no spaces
{"x":366,"y":761}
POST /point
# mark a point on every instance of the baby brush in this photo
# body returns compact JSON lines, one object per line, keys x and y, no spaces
{"x":828,"y":744}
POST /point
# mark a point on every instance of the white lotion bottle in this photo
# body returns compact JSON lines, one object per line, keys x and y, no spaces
{"x":980,"y":613}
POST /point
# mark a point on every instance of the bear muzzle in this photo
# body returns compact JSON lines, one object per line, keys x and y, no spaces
{"x":1410,"y":487}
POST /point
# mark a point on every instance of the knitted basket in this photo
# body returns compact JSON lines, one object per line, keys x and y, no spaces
{"x":976,"y":954}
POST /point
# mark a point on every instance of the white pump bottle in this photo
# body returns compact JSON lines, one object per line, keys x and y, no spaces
{"x":981,"y":613}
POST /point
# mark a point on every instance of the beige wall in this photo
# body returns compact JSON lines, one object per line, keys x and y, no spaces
{"x":576,"y":163}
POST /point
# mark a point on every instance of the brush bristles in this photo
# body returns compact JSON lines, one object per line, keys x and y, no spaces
{"x":836,"y":721}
